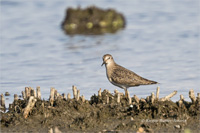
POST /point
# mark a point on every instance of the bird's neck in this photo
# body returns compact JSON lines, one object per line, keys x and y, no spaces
{"x":109,"y":69}
{"x":110,"y":65}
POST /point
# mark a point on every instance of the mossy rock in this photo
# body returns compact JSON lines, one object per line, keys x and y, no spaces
{"x":92,"y":20}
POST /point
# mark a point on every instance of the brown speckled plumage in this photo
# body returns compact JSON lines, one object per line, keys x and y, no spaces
{"x":121,"y":76}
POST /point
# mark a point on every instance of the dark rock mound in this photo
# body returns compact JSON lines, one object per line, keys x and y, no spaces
{"x":92,"y":20}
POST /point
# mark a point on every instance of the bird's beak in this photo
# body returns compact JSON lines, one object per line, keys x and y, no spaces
{"x":103,"y":63}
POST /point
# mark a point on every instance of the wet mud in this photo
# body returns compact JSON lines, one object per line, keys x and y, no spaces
{"x":105,"y":112}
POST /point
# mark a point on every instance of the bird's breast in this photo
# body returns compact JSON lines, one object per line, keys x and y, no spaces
{"x":108,"y":74}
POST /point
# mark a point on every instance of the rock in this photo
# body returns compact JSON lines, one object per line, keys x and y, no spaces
{"x":140,"y":130}
{"x":7,"y":94}
{"x":56,"y":130}
{"x":50,"y":130}
{"x":92,"y":20}
{"x":177,"y":126}
{"x":132,"y":119}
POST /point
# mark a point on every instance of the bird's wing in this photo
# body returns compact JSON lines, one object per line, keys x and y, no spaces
{"x":124,"y":76}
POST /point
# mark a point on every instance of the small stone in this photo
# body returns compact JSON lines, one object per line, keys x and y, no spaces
{"x":177,"y":126}
{"x":142,"y":100}
{"x":50,"y":130}
{"x":56,"y":130}
{"x":134,"y":126}
{"x":7,"y":94}
{"x":140,"y":130}
{"x":132,"y":119}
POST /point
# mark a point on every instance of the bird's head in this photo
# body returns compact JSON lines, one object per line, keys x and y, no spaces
{"x":107,"y":59}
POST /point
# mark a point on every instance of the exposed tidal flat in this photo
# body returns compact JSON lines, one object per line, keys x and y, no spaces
{"x":104,"y":112}
{"x":160,"y":42}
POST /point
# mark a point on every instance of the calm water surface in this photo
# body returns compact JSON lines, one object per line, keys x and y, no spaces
{"x":160,"y":42}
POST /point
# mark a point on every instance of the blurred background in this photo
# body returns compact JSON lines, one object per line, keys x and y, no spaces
{"x":160,"y":42}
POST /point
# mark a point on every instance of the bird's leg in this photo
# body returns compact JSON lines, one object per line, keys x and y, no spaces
{"x":126,"y":92}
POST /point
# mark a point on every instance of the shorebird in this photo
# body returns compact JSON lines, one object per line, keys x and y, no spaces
{"x":122,"y":77}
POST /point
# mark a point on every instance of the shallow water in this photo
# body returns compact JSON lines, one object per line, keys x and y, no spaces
{"x":160,"y":42}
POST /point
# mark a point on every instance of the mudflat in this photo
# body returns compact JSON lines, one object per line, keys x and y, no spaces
{"x":105,"y":112}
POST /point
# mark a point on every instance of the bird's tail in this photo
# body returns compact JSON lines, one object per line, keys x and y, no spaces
{"x":148,"y":82}
{"x":153,"y":82}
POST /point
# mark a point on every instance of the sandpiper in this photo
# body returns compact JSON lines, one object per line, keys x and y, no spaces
{"x":121,"y":76}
